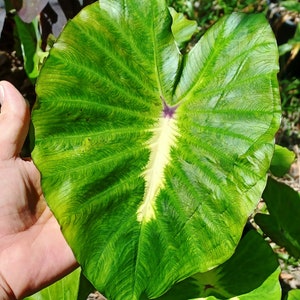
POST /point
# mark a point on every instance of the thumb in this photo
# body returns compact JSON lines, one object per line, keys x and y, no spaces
{"x":14,"y":121}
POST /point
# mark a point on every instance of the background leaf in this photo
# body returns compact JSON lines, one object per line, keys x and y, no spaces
{"x":65,"y":289}
{"x":182,"y":28}
{"x":281,"y":161}
{"x":32,"y":54}
{"x":150,"y":160}
{"x":294,"y":295}
{"x":282,"y":203}
{"x":251,"y":273}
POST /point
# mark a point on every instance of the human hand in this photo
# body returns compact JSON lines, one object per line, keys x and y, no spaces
{"x":33,"y":251}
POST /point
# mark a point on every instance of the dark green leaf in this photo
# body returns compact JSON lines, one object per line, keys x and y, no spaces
{"x":28,"y":39}
{"x":281,"y":225}
{"x":85,"y":288}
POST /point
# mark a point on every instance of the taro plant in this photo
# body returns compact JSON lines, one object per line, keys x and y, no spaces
{"x":152,"y":160}
{"x":278,"y":221}
{"x":27,"y":34}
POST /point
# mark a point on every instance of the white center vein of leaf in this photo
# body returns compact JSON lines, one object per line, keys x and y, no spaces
{"x":160,"y":154}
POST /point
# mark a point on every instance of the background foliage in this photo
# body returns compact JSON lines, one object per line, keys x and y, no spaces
{"x":22,"y":70}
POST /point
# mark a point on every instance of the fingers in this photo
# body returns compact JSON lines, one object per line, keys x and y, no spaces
{"x":14,"y":121}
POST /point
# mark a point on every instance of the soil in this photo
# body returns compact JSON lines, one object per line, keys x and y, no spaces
{"x":11,"y":69}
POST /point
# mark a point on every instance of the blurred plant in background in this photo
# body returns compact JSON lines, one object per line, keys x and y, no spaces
{"x":285,"y":21}
{"x":27,"y":34}
{"x":206,"y":12}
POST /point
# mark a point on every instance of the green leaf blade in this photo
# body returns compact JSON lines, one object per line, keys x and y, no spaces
{"x":149,"y":182}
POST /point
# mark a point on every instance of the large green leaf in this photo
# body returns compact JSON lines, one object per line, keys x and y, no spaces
{"x":251,"y":273}
{"x":152,"y":161}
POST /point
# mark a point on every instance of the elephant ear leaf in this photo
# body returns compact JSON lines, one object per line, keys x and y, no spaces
{"x":152,"y":161}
